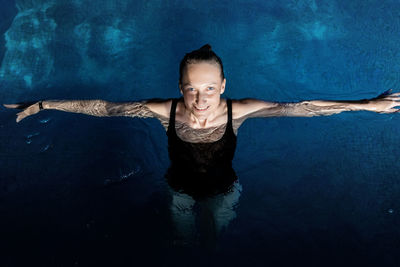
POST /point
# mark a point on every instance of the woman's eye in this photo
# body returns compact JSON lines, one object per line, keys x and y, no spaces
{"x":190,"y":89}
{"x":210,"y":88}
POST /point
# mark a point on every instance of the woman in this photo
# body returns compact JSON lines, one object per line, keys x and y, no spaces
{"x":201,"y":128}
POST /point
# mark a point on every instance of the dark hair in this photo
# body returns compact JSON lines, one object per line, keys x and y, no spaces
{"x":202,"y":54}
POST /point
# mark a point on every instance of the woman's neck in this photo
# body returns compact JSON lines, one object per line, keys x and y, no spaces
{"x":215,"y":118}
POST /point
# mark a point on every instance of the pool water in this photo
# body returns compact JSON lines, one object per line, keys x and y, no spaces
{"x":77,"y":190}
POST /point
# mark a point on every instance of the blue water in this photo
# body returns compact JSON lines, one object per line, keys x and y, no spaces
{"x":77,"y":190}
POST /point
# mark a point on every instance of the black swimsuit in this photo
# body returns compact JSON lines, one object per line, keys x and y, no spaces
{"x":201,"y":169}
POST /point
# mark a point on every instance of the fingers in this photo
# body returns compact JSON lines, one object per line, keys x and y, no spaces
{"x":395,"y":94}
{"x":393,"y":110}
{"x":24,"y":105}
{"x":28,"y":109}
{"x":21,"y":115}
{"x":10,"y":105}
{"x":391,"y":99}
{"x":387,"y":92}
{"x":21,"y":105}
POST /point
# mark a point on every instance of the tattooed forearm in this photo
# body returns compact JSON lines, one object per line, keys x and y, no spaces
{"x":101,"y":108}
{"x":129,"y":109}
{"x":310,"y":108}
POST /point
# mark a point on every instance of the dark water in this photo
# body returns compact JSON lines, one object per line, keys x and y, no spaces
{"x":86,"y":191}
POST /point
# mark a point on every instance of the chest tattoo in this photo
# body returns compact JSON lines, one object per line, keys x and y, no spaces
{"x":206,"y":135}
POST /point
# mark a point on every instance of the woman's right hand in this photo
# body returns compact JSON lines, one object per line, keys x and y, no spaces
{"x":29,"y":108}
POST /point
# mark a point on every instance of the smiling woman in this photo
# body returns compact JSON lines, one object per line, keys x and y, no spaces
{"x":201,"y":90}
{"x":202,"y":127}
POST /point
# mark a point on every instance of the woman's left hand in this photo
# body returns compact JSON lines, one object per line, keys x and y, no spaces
{"x":28,"y":109}
{"x":385,"y":103}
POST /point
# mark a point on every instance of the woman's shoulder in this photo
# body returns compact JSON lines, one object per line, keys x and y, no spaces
{"x":246,"y":106}
{"x":161,"y":107}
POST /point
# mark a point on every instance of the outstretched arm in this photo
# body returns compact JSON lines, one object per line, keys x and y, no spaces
{"x":100,"y":108}
{"x":251,"y":108}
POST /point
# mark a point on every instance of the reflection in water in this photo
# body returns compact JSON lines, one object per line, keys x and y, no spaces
{"x":201,"y":215}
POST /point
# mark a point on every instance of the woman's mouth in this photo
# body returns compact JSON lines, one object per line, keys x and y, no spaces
{"x":201,"y":108}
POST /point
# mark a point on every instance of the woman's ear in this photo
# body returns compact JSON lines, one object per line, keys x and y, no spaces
{"x":223,"y":86}
{"x":180,"y":89}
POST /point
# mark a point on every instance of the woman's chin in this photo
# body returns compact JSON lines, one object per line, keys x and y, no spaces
{"x":200,"y":114}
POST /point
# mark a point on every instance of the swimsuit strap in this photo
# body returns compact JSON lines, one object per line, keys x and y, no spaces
{"x":229,"y":104}
{"x":171,"y":125}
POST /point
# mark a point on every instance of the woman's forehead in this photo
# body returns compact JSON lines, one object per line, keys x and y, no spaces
{"x":202,"y":73}
{"x":203,"y":65}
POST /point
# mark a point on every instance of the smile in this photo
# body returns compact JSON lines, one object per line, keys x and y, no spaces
{"x":201,"y":109}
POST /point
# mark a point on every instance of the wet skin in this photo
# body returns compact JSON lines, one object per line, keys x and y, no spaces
{"x":202,"y":115}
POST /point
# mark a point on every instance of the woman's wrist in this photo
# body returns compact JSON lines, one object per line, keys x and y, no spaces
{"x":41,"y":105}
{"x":46,"y":104}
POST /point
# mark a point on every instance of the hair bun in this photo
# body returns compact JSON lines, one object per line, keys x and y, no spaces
{"x":206,"y":47}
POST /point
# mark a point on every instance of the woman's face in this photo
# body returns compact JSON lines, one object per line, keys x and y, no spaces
{"x":201,"y":88}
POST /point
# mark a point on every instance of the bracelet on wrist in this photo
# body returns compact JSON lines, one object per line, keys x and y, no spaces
{"x":40,"y":105}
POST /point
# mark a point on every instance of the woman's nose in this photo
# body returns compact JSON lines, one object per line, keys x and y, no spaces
{"x":201,"y":98}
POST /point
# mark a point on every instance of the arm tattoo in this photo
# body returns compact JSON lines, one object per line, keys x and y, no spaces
{"x":307,"y":109}
{"x":101,"y":108}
